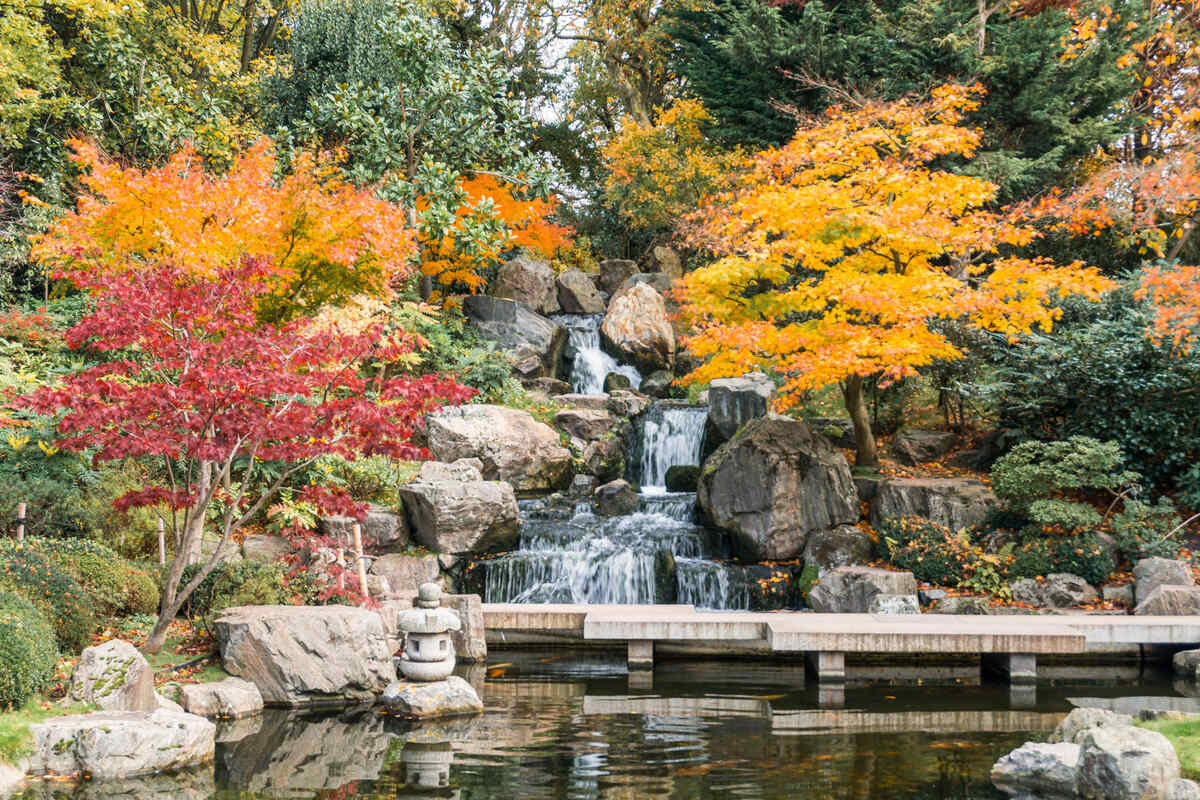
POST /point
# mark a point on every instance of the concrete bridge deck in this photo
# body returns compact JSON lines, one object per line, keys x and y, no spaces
{"x":1011,"y":642}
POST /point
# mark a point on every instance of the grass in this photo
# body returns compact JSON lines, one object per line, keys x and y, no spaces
{"x":16,"y":741}
{"x":1184,"y":734}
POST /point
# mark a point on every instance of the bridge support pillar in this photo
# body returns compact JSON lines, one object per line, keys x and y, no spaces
{"x":641,"y":654}
{"x":828,"y":667}
{"x":1020,"y":669}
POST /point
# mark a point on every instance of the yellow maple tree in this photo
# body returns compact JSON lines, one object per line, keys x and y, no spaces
{"x":841,"y":251}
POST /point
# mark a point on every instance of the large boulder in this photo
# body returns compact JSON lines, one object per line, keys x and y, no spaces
{"x":1081,"y":720}
{"x":265,"y":549}
{"x":382,"y":530}
{"x":1171,"y":601}
{"x":637,"y":329}
{"x":232,"y":698}
{"x":775,"y":483}
{"x":1038,"y":770}
{"x":1150,"y":573}
{"x":527,"y":280}
{"x":1060,"y":590}
{"x":516,"y":328}
{"x":843,"y":546}
{"x":613,"y":272}
{"x":850,"y":590}
{"x":1125,"y":763}
{"x":587,"y":424}
{"x":305,"y":655}
{"x":914,"y":447}
{"x":732,"y":402}
{"x":406,"y":571}
{"x":577,"y":293}
{"x":119,"y":744}
{"x":667,"y":261}
{"x":956,"y":503}
{"x":462,"y":516}
{"x":115,"y":676}
{"x":510,"y":443}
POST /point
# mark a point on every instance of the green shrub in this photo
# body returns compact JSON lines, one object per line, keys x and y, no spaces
{"x":1079,"y":554}
{"x":113,"y":585}
{"x":27,"y":652}
{"x":931,"y":552}
{"x":1033,"y":472}
{"x":243,"y":583}
{"x":1143,"y":530}
{"x":28,"y":573}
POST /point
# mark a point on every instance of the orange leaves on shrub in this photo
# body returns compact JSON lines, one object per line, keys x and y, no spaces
{"x":845,"y":247}
{"x":326,"y":239}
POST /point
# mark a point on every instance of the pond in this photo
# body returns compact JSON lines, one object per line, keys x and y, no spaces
{"x":573,"y":725}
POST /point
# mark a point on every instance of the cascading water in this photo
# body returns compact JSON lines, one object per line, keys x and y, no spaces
{"x":591,"y":365}
{"x":671,"y":436}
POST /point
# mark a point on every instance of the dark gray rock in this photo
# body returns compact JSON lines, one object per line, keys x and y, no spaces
{"x":775,"y":483}
{"x":914,"y":447}
{"x":382,"y":530}
{"x":867,"y":487}
{"x":615,"y":499}
{"x":657,"y":383}
{"x":605,"y":458}
{"x":843,"y":546}
{"x":1150,"y":573}
{"x":850,"y":590}
{"x":613,"y":272}
{"x":551,"y":386}
{"x":518,"y":329}
{"x":956,"y":503}
{"x":1038,"y":770}
{"x":1185,"y":663}
{"x":588,"y":424}
{"x":1060,"y":590}
{"x":462,"y":516}
{"x":839,"y":430}
{"x":682,"y":478}
{"x":577,"y":293}
{"x":666,"y":577}
{"x":732,"y":402}
{"x":614,"y":381}
{"x":527,"y":280}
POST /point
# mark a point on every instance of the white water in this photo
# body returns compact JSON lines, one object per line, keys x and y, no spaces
{"x":591,"y":365}
{"x":671,"y":436}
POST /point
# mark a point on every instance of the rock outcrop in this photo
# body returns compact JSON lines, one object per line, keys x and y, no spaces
{"x":843,"y":546}
{"x":1150,"y":573}
{"x":304,"y":655}
{"x":587,"y":424}
{"x":774,"y":484}
{"x":956,"y":503}
{"x":850,"y":590}
{"x":613,"y":272}
{"x":1081,"y":720}
{"x":519,"y":330}
{"x":527,"y":280}
{"x":1125,"y":763}
{"x":732,"y":402}
{"x":383,"y":530}
{"x":405,"y":571}
{"x":577,"y":294}
{"x":1171,"y":601}
{"x":914,"y":447}
{"x":510,"y":443}
{"x":115,"y":676}
{"x":637,"y":329}
{"x":120,"y":744}
{"x":453,"y":510}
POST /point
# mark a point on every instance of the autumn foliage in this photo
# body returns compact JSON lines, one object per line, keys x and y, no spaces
{"x":326,"y":239}
{"x":847,"y":246}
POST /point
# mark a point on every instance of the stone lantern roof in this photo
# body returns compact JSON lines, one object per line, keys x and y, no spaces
{"x":427,"y":616}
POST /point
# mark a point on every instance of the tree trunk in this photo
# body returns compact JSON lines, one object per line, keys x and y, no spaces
{"x":867,"y":454}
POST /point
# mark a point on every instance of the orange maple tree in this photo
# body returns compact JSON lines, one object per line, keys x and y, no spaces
{"x":493,"y":218}
{"x":326,"y":239}
{"x":845,"y":247}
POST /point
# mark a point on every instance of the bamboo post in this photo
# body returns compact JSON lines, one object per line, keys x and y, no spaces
{"x":162,"y":544}
{"x":20,"y":521}
{"x":358,"y":557}
{"x":341,"y":562}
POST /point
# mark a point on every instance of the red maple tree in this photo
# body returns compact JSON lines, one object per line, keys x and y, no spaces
{"x":196,"y":383}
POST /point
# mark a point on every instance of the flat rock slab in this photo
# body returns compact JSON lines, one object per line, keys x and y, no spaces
{"x":449,"y":698}
{"x":231,"y":698}
{"x":303,"y":655}
{"x":119,"y":744}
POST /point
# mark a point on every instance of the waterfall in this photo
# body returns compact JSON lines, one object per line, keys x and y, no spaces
{"x":671,"y":436}
{"x":590,"y":364}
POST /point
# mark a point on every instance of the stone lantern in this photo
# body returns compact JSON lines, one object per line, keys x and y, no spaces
{"x":428,"y":649}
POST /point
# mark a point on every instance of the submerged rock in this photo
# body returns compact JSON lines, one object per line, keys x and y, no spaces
{"x":510,"y":443}
{"x":119,"y":744}
{"x":448,"y":698}
{"x":774,"y":484}
{"x":305,"y":655}
{"x":114,"y":676}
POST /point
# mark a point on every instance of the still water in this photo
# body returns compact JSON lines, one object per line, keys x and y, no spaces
{"x":572,"y":726}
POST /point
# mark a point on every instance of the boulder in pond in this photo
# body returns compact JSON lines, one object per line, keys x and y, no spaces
{"x":914,"y":447}
{"x":637,"y":330}
{"x":1171,"y":601}
{"x":1059,"y":590}
{"x":1040,"y":770}
{"x":509,"y":442}
{"x":842,"y":546}
{"x":527,"y":280}
{"x":615,"y":499}
{"x":1150,"y":573}
{"x":516,"y":328}
{"x":120,"y":744}
{"x":306,"y":655}
{"x":613,"y":272}
{"x":462,"y":516}
{"x":115,"y":676}
{"x":577,"y":293}
{"x":956,"y":503}
{"x":588,"y":424}
{"x":383,"y":530}
{"x":732,"y":402}
{"x":850,"y":590}
{"x":448,"y":698}
{"x":1082,"y":720}
{"x":232,"y":698}
{"x":1125,"y":763}
{"x":682,"y":478}
{"x":773,"y":484}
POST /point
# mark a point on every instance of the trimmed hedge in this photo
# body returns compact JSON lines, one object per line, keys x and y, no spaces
{"x":113,"y":584}
{"x":27,"y":572}
{"x":27,"y":652}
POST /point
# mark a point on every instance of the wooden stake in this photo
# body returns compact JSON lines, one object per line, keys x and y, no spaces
{"x":341,"y":561}
{"x":362,"y":566}
{"x":162,"y":544}
{"x":20,"y":521}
